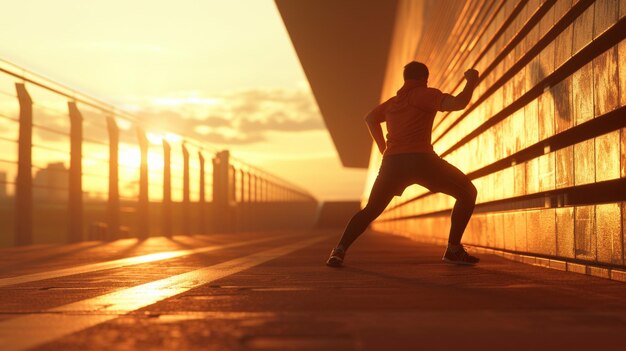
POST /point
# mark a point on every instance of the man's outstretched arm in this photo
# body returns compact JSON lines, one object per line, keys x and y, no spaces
{"x":459,"y":102}
{"x":376,"y":131}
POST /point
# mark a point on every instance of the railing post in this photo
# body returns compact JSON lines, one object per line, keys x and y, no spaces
{"x":143,"y":219}
{"x":202,"y":199}
{"x":249,"y":187}
{"x":270,"y":190}
{"x":220,"y":190}
{"x":255,"y":179}
{"x":232,"y":184}
{"x":167,"y":189}
{"x":75,"y":198}
{"x":186,"y":224}
{"x":241,"y":186}
{"x":263,"y":189}
{"x":242,"y":211}
{"x":113,"y":205}
{"x":24,"y":181}
{"x":232,"y":198}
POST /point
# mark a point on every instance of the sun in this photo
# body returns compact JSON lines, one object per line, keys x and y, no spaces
{"x":130,"y":158}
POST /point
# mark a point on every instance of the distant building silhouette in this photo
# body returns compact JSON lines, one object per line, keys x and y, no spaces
{"x":51,"y":182}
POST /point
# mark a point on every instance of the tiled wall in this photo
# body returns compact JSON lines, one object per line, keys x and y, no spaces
{"x":544,"y":138}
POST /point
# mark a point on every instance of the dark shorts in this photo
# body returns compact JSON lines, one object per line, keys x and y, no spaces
{"x":429,"y":170}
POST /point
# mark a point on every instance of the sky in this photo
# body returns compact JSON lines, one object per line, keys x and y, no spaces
{"x":224,"y":72}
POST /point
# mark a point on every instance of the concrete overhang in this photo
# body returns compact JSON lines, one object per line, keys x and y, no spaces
{"x":343,"y":46}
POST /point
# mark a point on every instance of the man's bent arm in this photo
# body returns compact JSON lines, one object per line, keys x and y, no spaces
{"x":459,"y":102}
{"x":376,"y":132}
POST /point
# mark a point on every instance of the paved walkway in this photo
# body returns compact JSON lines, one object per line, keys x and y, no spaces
{"x":271,"y":291}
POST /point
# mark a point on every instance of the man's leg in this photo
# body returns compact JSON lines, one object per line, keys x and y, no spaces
{"x":376,"y":204}
{"x":381,"y":194}
{"x":444,"y":177}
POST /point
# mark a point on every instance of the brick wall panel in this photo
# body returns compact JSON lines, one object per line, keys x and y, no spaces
{"x":582,"y":94}
{"x":623,"y":152}
{"x":478,"y":227}
{"x":498,"y":219}
{"x":560,"y":8}
{"x":507,"y":92}
{"x":519,"y":179}
{"x":497,"y":185}
{"x":584,"y":162}
{"x":508,"y":183}
{"x":605,"y":13}
{"x":564,"y":167}
{"x":547,"y":231}
{"x":521,"y":244}
{"x":546,"y":61}
{"x":563,"y":46}
{"x":518,"y":132}
{"x":490,"y":235}
{"x":546,"y":116}
{"x":519,"y":84}
{"x":565,"y":232}
{"x":531,"y":124}
{"x":605,"y":82}
{"x":585,"y":238}
{"x":608,"y":229}
{"x":621,"y":59}
{"x":562,"y":95}
{"x":533,"y":6}
{"x":608,"y":156}
{"x":547,"y":173}
{"x":533,"y":73}
{"x":532,"y":176}
{"x":534,"y":235}
{"x":623,"y":213}
{"x":583,"y":29}
{"x":508,"y":230}
{"x":547,"y":21}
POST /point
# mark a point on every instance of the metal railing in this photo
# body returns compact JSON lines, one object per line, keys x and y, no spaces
{"x":74,"y":167}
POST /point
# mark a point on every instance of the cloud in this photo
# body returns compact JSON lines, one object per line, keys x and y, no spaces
{"x":237,"y":118}
{"x":50,"y":125}
{"x":218,"y":138}
{"x":216,"y":121}
{"x":279,"y":121}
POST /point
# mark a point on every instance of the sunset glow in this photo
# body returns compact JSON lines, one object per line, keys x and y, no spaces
{"x":206,"y":70}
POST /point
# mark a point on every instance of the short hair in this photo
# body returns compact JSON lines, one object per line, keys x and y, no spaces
{"x":415,"y":70}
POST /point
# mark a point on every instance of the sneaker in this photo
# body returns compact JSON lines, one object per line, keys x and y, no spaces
{"x":459,"y":257}
{"x":336,"y":257}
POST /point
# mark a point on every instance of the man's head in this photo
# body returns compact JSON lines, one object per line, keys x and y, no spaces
{"x":415,"y":70}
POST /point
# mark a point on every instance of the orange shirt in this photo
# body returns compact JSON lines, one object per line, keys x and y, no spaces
{"x":409,"y":116}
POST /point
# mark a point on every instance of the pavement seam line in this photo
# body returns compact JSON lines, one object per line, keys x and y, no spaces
{"x":25,"y":332}
{"x":123,"y":262}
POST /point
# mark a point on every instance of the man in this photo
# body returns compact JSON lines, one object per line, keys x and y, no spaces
{"x":408,"y":158}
